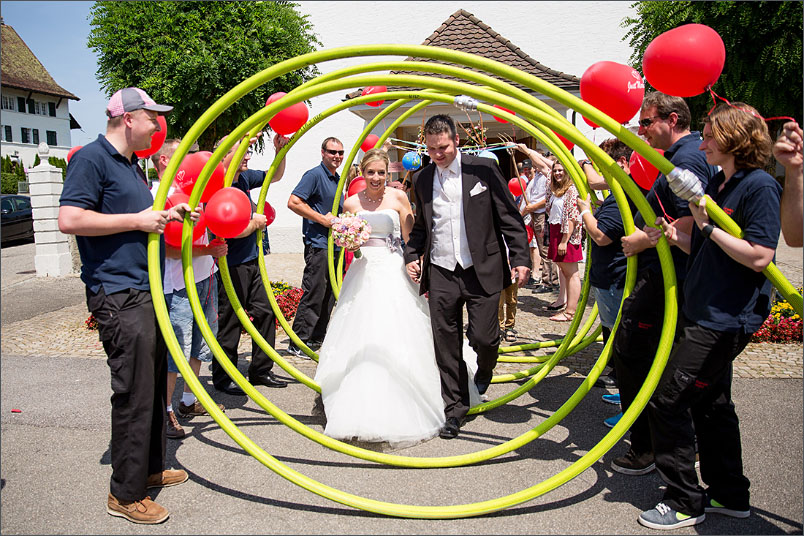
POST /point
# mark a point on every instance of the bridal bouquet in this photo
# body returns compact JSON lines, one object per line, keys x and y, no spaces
{"x":350,"y":231}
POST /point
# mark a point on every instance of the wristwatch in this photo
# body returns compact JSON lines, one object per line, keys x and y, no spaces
{"x":584,"y":162}
{"x":707,"y":229}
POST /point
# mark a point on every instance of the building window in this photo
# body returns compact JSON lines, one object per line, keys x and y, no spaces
{"x":7,"y":133}
{"x":25,"y":135}
{"x":8,"y":103}
{"x":21,"y":104}
{"x":51,"y":109}
{"x":36,"y":136}
{"x":51,"y":138}
{"x":31,"y":106}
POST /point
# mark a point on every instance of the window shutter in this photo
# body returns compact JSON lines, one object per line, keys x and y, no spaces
{"x":21,"y":104}
{"x":52,"y":108}
{"x":31,"y":106}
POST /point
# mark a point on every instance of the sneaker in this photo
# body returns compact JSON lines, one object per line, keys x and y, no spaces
{"x":634,"y":464}
{"x":144,"y":511}
{"x":174,"y":429}
{"x":167,"y":478}
{"x":194,"y":410}
{"x":315,"y":345}
{"x":714,"y":507}
{"x":295,"y":350}
{"x":612,"y":399}
{"x":544,"y":288}
{"x":665,"y":518}
{"x":611,"y":422}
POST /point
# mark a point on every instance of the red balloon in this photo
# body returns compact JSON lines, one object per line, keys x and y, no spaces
{"x":173,"y":229}
{"x":516,"y":185}
{"x":374,"y":89}
{"x":505,"y":109}
{"x":529,"y":229}
{"x":157,"y":139}
{"x":228,"y":212}
{"x":270,"y":213}
{"x":613,"y":88}
{"x":684,"y":61}
{"x":358,"y":184}
{"x":369,"y":143}
{"x":189,"y":170}
{"x":568,"y":144}
{"x":73,"y":151}
{"x":289,"y":120}
{"x":642,"y":171}
{"x":590,"y":123}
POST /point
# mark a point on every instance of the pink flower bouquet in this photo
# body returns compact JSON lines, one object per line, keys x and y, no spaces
{"x":350,"y":231}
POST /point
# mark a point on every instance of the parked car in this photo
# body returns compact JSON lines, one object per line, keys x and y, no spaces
{"x":17,"y":218}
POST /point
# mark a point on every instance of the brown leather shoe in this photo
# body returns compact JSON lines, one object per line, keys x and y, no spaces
{"x":144,"y":511}
{"x":174,"y":429}
{"x":167,"y":478}
{"x":194,"y":410}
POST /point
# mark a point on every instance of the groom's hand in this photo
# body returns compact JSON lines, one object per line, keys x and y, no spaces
{"x":414,"y":271}
{"x":520,"y":275}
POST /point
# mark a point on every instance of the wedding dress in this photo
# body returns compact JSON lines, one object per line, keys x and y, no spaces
{"x":377,"y":370}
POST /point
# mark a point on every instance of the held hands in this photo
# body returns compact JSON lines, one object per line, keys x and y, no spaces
{"x":328,"y":217}
{"x":699,"y":213}
{"x":217,"y":248}
{"x":154,"y":221}
{"x":414,"y":271}
{"x":279,"y":142}
{"x":788,"y":147}
{"x":521,"y":274}
{"x":260,"y":221}
{"x":178,"y":212}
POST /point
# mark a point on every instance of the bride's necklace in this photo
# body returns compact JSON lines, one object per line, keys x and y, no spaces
{"x":368,"y":198}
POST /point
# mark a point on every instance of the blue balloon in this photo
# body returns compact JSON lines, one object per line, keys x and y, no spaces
{"x":488,"y":154}
{"x":411,"y":161}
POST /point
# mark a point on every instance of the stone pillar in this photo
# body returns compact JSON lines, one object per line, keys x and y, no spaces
{"x":52,"y":246}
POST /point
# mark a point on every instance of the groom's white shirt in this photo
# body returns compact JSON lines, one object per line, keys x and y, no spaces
{"x":450,"y":243}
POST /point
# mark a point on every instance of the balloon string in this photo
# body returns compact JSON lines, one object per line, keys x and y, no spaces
{"x":714,"y":103}
{"x":667,"y":217}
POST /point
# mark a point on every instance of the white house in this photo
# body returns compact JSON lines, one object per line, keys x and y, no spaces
{"x":560,"y":39}
{"x":34,"y":107}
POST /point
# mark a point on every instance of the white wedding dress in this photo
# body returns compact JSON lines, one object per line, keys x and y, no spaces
{"x":377,"y":370}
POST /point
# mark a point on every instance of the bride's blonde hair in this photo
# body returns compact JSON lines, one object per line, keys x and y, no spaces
{"x":373,"y":155}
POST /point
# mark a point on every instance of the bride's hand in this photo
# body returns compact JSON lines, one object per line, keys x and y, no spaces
{"x":414,"y":271}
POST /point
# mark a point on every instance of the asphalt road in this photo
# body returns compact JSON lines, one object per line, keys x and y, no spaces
{"x":55,"y":465}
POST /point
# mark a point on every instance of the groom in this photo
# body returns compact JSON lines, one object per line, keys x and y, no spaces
{"x":465,"y":220}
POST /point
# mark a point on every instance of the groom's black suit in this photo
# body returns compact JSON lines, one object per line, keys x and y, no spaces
{"x":492,"y":222}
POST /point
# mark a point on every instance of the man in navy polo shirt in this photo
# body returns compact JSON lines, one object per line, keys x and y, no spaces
{"x":727,"y":298}
{"x":664,"y":121}
{"x":107,"y":204}
{"x":312,"y":200}
{"x":245,"y":273}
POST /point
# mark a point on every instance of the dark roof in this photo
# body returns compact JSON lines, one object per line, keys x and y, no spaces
{"x":22,"y":70}
{"x":464,"y":32}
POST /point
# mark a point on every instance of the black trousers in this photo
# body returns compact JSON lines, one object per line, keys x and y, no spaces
{"x":136,"y":355}
{"x":315,"y":306}
{"x":250,"y":291}
{"x":450,"y":290}
{"x":635,"y":345}
{"x":693,"y":400}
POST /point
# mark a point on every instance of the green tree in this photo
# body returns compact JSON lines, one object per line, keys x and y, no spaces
{"x":189,"y":54}
{"x":763,"y":50}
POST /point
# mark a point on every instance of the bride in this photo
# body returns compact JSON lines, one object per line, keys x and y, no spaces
{"x":377,"y":370}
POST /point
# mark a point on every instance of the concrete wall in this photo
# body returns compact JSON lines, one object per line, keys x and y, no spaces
{"x":565,"y":36}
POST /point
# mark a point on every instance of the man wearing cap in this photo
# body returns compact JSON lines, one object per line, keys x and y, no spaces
{"x":106,"y":203}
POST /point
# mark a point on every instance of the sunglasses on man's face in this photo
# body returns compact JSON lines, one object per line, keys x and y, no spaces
{"x":334,"y":153}
{"x":648,"y":121}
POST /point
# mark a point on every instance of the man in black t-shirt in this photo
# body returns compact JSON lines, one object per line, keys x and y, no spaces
{"x":251,"y":292}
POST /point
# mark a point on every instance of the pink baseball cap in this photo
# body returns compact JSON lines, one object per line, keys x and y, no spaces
{"x":133,"y":98}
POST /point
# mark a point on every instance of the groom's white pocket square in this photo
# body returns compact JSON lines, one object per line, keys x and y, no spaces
{"x":478,"y":189}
